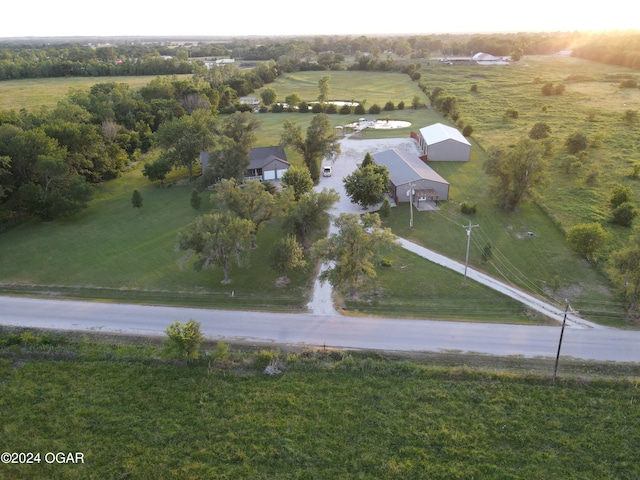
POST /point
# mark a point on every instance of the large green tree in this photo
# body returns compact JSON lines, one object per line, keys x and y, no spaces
{"x":367,"y":185}
{"x":216,"y":240}
{"x":231,"y":158}
{"x":157,"y":169}
{"x":286,"y":256}
{"x":310,"y":213}
{"x":625,"y":272}
{"x":299,"y":179}
{"x":352,"y":251}
{"x":251,"y":201}
{"x":320,"y":142}
{"x":56,"y":191}
{"x":323,"y":89}
{"x":517,"y":172}
{"x":184,"y":138}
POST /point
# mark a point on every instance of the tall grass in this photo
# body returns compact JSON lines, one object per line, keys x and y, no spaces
{"x":329,"y":415}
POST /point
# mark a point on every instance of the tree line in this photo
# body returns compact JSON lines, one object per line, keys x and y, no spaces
{"x":47,"y":59}
{"x":613,"y":48}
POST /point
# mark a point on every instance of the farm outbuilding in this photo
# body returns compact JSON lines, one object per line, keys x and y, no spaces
{"x":407,"y":172}
{"x":441,"y":143}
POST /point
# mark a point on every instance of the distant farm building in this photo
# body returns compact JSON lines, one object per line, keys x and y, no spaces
{"x":411,"y":178}
{"x":441,"y":143}
{"x":249,"y":101}
{"x":478,"y":59}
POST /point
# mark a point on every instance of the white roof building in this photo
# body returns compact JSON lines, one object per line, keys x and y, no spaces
{"x":441,"y":143}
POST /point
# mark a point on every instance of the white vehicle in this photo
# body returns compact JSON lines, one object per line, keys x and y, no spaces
{"x":326,"y":171}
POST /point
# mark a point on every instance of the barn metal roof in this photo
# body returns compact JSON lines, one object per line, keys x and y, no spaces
{"x":404,"y":168}
{"x":438,"y":132}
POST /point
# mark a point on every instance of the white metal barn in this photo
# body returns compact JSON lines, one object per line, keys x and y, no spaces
{"x":441,"y":143}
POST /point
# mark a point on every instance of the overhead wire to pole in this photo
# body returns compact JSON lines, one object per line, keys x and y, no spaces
{"x":466,"y":262}
{"x":564,"y":321}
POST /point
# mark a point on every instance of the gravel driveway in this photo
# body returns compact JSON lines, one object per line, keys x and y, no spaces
{"x":353,"y":152}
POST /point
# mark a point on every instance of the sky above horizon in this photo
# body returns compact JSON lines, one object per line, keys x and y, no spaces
{"x":63,"y":18}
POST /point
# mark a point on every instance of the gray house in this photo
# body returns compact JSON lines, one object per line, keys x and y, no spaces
{"x":408,"y":173}
{"x":267,"y":163}
{"x":441,"y":143}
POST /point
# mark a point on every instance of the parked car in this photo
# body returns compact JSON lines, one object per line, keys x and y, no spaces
{"x":326,"y":171}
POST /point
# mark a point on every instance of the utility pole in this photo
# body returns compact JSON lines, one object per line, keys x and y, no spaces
{"x":564,"y":321}
{"x":410,"y":194}
{"x":466,"y":262}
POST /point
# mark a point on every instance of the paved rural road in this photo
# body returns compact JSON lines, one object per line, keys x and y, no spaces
{"x":331,"y":330}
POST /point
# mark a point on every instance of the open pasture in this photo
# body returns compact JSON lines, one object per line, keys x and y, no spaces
{"x":32,"y":94}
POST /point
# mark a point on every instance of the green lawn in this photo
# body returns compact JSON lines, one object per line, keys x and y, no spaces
{"x":368,"y":87}
{"x":113,"y":251}
{"x":329,"y":415}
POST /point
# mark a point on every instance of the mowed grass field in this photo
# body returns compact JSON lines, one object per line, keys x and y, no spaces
{"x":330,"y":414}
{"x":32,"y":94}
{"x":113,"y":251}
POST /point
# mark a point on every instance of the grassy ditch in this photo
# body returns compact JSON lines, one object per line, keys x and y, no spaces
{"x":133,"y":413}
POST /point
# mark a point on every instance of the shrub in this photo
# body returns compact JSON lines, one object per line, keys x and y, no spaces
{"x":629,"y":83}
{"x":222,"y":351}
{"x":401,"y":105}
{"x":576,"y":142}
{"x":345,"y":109}
{"x":539,"y":131}
{"x":385,"y":262}
{"x":374,"y":109}
{"x":468,"y":207}
{"x":467,"y":131}
{"x":385,"y":208}
{"x":630,"y":116}
{"x":331,"y":108}
{"x":512,"y":113}
{"x":624,"y":214}
{"x":547,"y":89}
{"x":359,"y":110}
{"x":620,"y":194}
{"x":316,"y":108}
{"x":587,"y":239}
{"x":389,"y":107}
{"x":196,"y":200}
{"x":184,"y":340}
